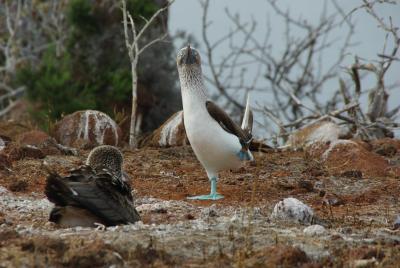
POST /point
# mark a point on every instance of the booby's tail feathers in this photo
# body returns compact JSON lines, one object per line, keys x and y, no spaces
{"x":247,"y":122}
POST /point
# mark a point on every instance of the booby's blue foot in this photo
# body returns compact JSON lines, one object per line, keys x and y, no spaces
{"x":213,"y":193}
{"x":243,"y":155}
{"x":215,"y":196}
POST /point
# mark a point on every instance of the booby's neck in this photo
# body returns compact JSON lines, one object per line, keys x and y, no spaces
{"x":192,"y":84}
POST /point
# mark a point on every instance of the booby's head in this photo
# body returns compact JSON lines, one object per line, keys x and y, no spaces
{"x":188,"y":57}
{"x":106,"y":157}
{"x":189,"y":66}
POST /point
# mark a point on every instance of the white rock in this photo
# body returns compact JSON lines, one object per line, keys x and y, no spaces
{"x":169,"y":133}
{"x":293,"y":210}
{"x":314,"y":230}
{"x":315,"y":133}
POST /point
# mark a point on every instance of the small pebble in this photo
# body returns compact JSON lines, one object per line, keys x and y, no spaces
{"x":314,"y":230}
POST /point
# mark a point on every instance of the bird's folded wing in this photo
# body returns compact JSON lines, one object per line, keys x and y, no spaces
{"x":228,"y":125}
{"x":100,"y":195}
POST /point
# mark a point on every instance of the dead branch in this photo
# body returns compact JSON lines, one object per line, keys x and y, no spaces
{"x":135,"y":48}
{"x":293,"y":79}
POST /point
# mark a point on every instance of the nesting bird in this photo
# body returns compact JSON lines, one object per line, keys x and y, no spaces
{"x":218,"y":142}
{"x":94,"y":193}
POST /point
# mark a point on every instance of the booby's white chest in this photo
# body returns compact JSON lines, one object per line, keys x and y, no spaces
{"x":215,"y":148}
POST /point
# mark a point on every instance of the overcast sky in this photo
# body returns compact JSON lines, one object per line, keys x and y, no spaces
{"x":186,"y":15}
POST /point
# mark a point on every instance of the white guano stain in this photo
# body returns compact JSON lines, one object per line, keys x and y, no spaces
{"x":169,"y":132}
{"x":101,"y":123}
{"x":326,"y":132}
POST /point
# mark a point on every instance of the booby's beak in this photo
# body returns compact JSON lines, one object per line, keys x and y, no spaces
{"x":190,"y":58}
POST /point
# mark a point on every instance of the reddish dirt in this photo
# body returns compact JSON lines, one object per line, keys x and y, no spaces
{"x":356,"y":156}
{"x":175,"y":174}
{"x":354,"y":189}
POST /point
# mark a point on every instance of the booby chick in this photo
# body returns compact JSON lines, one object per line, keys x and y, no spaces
{"x":93,"y":193}
{"x":218,"y":143}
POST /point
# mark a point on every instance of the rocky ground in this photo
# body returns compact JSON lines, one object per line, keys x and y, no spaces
{"x":352,"y":187}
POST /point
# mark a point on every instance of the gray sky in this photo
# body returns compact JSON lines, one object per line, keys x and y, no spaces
{"x":186,"y":15}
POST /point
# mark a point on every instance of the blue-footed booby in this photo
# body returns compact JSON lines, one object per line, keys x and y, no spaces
{"x":93,"y":193}
{"x":218,"y":142}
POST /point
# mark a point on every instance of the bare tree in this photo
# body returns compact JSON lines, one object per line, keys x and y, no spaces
{"x":296,"y":77}
{"x":378,"y":121}
{"x":135,"y":48}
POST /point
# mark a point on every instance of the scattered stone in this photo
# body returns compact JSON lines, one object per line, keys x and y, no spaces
{"x":87,"y":129}
{"x":171,"y":133}
{"x":293,"y":210}
{"x":314,"y":230}
{"x":321,"y":132}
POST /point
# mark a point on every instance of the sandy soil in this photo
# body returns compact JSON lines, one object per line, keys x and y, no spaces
{"x":356,"y":207}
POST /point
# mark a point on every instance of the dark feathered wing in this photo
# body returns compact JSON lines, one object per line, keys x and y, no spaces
{"x":228,"y":125}
{"x":101,"y":194}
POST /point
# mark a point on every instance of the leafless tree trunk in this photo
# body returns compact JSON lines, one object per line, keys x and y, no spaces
{"x":134,"y":47}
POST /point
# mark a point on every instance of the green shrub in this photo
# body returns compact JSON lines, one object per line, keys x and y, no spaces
{"x":94,"y":69}
{"x":52,"y":87}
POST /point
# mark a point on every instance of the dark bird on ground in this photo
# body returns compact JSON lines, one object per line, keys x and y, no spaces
{"x":94,"y":193}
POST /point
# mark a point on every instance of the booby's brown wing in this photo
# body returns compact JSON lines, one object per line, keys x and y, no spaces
{"x":101,"y":194}
{"x":228,"y":125}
